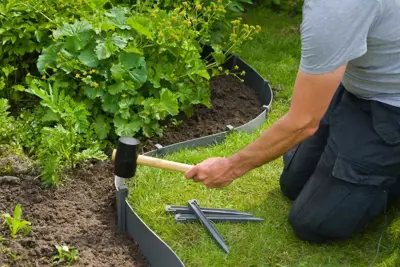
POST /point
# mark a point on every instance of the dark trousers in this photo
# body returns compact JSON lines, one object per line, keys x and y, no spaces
{"x":342,"y":176}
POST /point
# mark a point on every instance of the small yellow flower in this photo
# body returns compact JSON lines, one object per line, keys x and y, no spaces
{"x":233,"y":36}
{"x":258,"y":27}
{"x":174,"y":19}
{"x":96,"y":85}
{"x":220,"y":1}
{"x":77,"y":75}
{"x":44,"y":77}
{"x":198,"y":7}
{"x":84,"y":73}
{"x":123,"y":95}
{"x":236,"y":67}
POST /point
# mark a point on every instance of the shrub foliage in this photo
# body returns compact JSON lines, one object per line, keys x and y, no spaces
{"x":76,"y":74}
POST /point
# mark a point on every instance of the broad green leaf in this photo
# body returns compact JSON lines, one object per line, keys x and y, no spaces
{"x":110,"y":103}
{"x":141,"y":25}
{"x":88,"y":57}
{"x":170,"y":102}
{"x":78,"y":35}
{"x":67,"y":61}
{"x":101,"y":127}
{"x":48,"y":57}
{"x":218,"y":55}
{"x":117,"y":72}
{"x":105,"y":48}
{"x":119,"y":41}
{"x":135,"y":66}
{"x":131,"y":60}
{"x":116,"y":88}
{"x":77,"y":43}
{"x":203,"y":73}
{"x":125,"y":127}
{"x":117,"y":17}
{"x":133,"y":49}
{"x":92,"y":92}
{"x":72,"y":29}
{"x":39,"y":35}
{"x":138,"y":75}
{"x":50,"y":116}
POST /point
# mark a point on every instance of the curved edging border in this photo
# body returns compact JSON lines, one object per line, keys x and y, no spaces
{"x":157,"y":252}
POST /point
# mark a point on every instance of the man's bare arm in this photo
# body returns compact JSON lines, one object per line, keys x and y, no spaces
{"x":311,"y":98}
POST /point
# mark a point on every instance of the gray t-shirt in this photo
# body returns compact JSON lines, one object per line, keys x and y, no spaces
{"x":364,"y":33}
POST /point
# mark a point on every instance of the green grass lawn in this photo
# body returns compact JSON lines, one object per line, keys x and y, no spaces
{"x":275,"y":54}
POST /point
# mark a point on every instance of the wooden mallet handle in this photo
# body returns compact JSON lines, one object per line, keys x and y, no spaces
{"x":159,"y":163}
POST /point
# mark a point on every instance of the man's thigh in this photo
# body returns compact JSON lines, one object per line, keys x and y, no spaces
{"x":360,"y":162}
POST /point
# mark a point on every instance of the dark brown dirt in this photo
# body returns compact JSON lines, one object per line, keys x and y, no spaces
{"x":80,"y":214}
{"x":233,"y":103}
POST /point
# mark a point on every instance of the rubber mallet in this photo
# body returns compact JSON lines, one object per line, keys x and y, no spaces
{"x":126,"y":158}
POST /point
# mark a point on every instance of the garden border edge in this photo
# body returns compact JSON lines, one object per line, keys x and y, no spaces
{"x":157,"y":252}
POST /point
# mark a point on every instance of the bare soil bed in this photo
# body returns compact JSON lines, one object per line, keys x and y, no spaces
{"x":233,"y":103}
{"x":81,"y":213}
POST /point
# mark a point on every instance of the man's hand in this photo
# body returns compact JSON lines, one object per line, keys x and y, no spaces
{"x":214,"y":172}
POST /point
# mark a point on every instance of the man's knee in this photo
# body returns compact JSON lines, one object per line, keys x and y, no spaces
{"x":311,"y":231}
{"x":288,"y":185}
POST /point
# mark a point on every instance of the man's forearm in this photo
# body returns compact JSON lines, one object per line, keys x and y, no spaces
{"x":273,"y":143}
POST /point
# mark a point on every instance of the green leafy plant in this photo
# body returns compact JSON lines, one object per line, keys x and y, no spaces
{"x":66,"y":254}
{"x":15,"y":223}
{"x":67,"y":143}
{"x":25,"y":28}
{"x":5,"y":121}
{"x":133,"y":64}
{"x":135,"y":68}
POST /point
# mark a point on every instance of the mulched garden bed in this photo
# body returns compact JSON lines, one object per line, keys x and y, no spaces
{"x":82,"y":212}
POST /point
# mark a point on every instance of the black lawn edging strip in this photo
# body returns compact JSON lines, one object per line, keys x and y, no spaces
{"x":157,"y":252}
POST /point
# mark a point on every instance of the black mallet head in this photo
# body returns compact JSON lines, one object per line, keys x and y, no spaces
{"x":125,"y":157}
